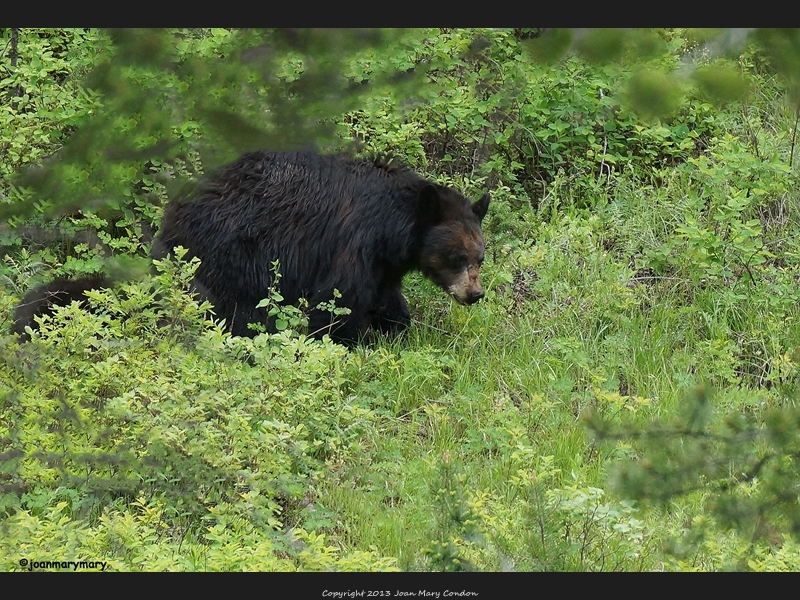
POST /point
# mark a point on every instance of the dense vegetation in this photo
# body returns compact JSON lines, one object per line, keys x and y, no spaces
{"x":623,"y":399}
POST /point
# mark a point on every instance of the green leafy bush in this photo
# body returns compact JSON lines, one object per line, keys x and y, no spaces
{"x":492,"y":113}
{"x":144,"y":401}
{"x":640,"y":242}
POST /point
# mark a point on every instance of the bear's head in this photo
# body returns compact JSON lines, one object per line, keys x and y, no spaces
{"x":452,"y":242}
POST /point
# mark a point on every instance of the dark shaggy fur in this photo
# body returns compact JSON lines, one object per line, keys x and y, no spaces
{"x":332,"y":222}
{"x":41,"y":301}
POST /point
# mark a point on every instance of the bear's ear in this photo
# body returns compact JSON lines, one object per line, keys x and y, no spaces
{"x":430,"y":205}
{"x":481,"y":206}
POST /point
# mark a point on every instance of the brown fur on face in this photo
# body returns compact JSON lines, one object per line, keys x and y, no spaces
{"x":455,"y":264}
{"x":466,"y":287}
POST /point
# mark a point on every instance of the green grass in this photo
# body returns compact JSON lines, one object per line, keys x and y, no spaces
{"x":496,"y":391}
{"x":462,"y":444}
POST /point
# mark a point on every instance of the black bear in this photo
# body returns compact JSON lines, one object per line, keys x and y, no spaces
{"x":331,"y":222}
{"x":59,"y":292}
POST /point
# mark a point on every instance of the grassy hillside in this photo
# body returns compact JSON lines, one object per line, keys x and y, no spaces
{"x":642,"y":282}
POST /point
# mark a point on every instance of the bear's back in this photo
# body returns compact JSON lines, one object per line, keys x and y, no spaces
{"x":287,"y":199}
{"x":317,"y":180}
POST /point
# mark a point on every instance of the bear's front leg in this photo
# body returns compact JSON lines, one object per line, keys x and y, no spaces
{"x":390,"y":313}
{"x":347,"y":330}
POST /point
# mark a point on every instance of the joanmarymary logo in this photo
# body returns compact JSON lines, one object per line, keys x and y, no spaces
{"x":74,"y":565}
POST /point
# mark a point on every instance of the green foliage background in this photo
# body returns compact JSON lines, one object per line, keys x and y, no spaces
{"x":642,"y":279}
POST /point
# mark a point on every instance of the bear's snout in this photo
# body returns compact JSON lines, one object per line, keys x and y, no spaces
{"x":474,"y":296}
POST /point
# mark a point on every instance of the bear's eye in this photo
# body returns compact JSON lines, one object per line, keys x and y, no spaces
{"x":460,"y":261}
